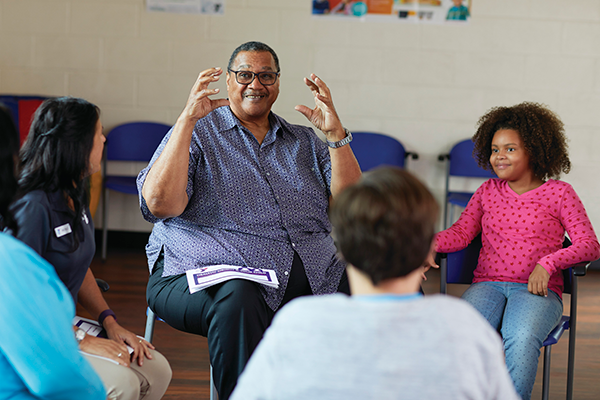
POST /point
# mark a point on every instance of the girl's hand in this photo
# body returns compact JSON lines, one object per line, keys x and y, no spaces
{"x":122,"y":336}
{"x":105,"y":348}
{"x":538,"y":281}
{"x":429,"y":263}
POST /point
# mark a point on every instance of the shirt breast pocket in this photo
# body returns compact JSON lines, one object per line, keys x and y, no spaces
{"x":62,"y":240}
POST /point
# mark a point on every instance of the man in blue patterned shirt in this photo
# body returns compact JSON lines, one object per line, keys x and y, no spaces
{"x":233,"y":183}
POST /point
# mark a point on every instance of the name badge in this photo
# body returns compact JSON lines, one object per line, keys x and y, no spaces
{"x":62,"y":230}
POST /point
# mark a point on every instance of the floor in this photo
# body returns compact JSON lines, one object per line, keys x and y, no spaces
{"x":127,"y":273}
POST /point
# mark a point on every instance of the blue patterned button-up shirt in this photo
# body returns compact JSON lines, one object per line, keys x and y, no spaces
{"x":251,"y":204}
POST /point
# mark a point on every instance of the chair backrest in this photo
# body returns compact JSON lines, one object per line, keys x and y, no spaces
{"x":134,"y":141}
{"x":462,"y":264}
{"x":462,"y":162}
{"x":22,"y":109}
{"x":375,"y":149}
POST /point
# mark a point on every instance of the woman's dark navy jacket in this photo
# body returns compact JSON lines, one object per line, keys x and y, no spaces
{"x":45,"y":224}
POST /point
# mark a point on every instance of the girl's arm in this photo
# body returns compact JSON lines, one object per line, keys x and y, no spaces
{"x":584,"y":247}
{"x":468,"y":226}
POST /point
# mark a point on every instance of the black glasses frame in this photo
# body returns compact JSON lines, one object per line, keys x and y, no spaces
{"x":254,"y":75}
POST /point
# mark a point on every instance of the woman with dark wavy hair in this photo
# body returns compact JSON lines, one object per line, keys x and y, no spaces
{"x":63,"y":149}
{"x":37,"y":347}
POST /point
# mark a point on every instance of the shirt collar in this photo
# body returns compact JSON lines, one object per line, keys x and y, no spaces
{"x":227,"y":120}
{"x":388,"y":297}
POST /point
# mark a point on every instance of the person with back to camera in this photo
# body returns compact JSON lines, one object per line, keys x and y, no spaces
{"x":233,"y":183}
{"x":39,"y":358}
{"x":387,"y":340}
{"x":63,"y":148}
{"x":522,"y":216}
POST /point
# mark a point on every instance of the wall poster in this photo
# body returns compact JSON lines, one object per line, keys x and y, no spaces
{"x":416,"y":11}
{"x":187,"y":6}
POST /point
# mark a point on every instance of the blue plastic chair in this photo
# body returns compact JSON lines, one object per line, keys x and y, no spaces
{"x":20,"y":112}
{"x":149,"y":335}
{"x":458,"y":267}
{"x":134,"y":142}
{"x":375,"y":149}
{"x":460,"y":164}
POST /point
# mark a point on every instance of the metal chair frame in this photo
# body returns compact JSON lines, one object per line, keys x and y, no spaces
{"x":149,"y":335}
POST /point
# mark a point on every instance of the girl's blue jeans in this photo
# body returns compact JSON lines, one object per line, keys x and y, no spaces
{"x":523,"y":319}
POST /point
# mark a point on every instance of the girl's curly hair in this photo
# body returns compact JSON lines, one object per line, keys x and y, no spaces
{"x":541,"y":131}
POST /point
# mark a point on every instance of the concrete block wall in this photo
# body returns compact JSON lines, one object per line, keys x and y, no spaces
{"x":425,"y":84}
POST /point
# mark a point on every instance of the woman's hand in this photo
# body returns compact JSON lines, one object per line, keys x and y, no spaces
{"x":122,"y":336}
{"x":538,"y":281}
{"x":105,"y":348}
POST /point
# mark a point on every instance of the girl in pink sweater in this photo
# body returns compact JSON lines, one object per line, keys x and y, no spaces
{"x":522,"y":216}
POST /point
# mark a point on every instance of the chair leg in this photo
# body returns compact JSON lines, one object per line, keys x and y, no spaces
{"x":104,"y":223}
{"x":213,"y":390}
{"x":572,"y":338}
{"x":443,"y":275}
{"x":150,"y":320}
{"x":149,"y":335}
{"x":447,"y":187}
{"x":546,"y":380}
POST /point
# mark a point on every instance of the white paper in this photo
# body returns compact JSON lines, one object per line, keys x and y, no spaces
{"x":201,"y":278}
{"x":93,"y":328}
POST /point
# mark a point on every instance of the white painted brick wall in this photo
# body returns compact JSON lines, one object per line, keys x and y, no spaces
{"x":425,"y":84}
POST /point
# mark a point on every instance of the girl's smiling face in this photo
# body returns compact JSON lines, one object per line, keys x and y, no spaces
{"x":509,"y":158}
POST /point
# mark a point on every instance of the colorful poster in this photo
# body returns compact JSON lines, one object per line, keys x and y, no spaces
{"x":433,"y":11}
{"x":187,"y":6}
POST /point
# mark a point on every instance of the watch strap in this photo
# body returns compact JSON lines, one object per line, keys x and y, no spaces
{"x":342,"y":142}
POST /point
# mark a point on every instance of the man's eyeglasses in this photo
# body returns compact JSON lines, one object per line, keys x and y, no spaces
{"x":247,"y":77}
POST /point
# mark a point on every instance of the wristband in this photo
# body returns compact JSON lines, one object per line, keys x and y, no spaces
{"x":105,"y":314}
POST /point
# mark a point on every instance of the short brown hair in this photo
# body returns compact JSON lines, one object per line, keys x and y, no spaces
{"x":385,"y":223}
{"x":541,"y":131}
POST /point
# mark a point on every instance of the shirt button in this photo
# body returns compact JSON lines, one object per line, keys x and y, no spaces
{"x":268,"y":174}
{"x":293,"y":244}
{"x":285,"y":273}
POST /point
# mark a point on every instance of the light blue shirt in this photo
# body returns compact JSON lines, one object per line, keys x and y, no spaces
{"x":39,"y":357}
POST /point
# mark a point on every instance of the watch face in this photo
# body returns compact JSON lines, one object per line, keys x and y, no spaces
{"x":79,"y":335}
